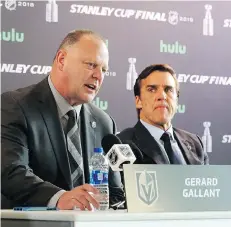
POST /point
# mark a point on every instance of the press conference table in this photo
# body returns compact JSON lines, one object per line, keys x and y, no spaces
{"x":11,"y":218}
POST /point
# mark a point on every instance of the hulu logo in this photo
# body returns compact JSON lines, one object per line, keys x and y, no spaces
{"x":103,"y":105}
{"x":12,"y":36}
{"x":180,"y":109}
{"x":175,"y":48}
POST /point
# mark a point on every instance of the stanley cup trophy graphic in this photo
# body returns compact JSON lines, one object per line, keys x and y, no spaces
{"x":51,"y":11}
{"x":208,"y":21}
{"x":207,"y":138}
{"x":131,"y":74}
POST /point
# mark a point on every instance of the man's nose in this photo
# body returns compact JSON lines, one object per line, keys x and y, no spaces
{"x":98,"y":73}
{"x":161,"y":94}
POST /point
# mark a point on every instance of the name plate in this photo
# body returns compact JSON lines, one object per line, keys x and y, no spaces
{"x":177,"y":188}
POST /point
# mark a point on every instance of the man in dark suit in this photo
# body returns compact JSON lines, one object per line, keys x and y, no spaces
{"x":156,"y":95}
{"x":38,"y":166}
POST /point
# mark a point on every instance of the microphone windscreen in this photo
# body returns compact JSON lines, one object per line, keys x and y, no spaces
{"x":108,"y":141}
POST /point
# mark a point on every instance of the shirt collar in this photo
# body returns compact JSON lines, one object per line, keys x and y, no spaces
{"x":62,"y":104}
{"x":157,"y":132}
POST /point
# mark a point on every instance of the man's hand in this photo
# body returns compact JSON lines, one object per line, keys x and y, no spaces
{"x":78,"y":197}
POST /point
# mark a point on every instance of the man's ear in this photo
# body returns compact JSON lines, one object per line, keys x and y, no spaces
{"x":138,"y":102}
{"x":60,"y":59}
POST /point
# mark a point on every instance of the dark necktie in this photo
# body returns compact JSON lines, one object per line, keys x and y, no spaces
{"x":74,"y":148}
{"x":173,"y":158}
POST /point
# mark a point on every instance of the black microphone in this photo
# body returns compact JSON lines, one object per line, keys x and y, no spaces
{"x":108,"y":141}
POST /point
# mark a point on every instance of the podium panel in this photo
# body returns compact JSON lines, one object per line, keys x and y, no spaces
{"x":177,"y":188}
{"x":11,"y":218}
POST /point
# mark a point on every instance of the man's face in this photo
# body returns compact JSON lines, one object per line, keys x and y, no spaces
{"x":83,"y":67}
{"x":158,"y":99}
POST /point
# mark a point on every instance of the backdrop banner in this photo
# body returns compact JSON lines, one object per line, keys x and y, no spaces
{"x":193,"y":37}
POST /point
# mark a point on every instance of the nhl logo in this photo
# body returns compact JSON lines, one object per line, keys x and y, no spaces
{"x":173,"y":17}
{"x":146,"y":183}
{"x":10,"y":4}
{"x":189,"y":147}
{"x":113,"y":157}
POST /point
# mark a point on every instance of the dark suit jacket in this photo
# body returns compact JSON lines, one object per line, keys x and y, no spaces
{"x":34,"y":155}
{"x":190,"y":145}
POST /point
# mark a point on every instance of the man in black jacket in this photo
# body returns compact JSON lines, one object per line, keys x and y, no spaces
{"x":156,"y":94}
{"x":45,"y":162}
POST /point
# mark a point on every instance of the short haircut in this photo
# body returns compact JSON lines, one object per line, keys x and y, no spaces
{"x":74,"y":36}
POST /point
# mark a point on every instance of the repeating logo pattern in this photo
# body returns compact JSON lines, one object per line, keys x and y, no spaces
{"x":175,"y":48}
{"x":12,"y":36}
{"x":52,"y":11}
{"x":10,"y":4}
{"x":207,"y":138}
{"x":131,"y":74}
{"x":208,"y":21}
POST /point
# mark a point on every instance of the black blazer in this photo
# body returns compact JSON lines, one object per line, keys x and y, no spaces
{"x":190,"y":145}
{"x":34,"y":154}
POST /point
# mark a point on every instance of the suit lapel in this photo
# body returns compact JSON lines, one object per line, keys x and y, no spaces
{"x":148,"y":144}
{"x":48,"y":110}
{"x":186,"y":148}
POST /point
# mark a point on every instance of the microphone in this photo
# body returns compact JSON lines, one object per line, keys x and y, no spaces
{"x":117,"y":153}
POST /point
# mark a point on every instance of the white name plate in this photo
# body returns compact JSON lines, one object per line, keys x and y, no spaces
{"x":177,"y":188}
